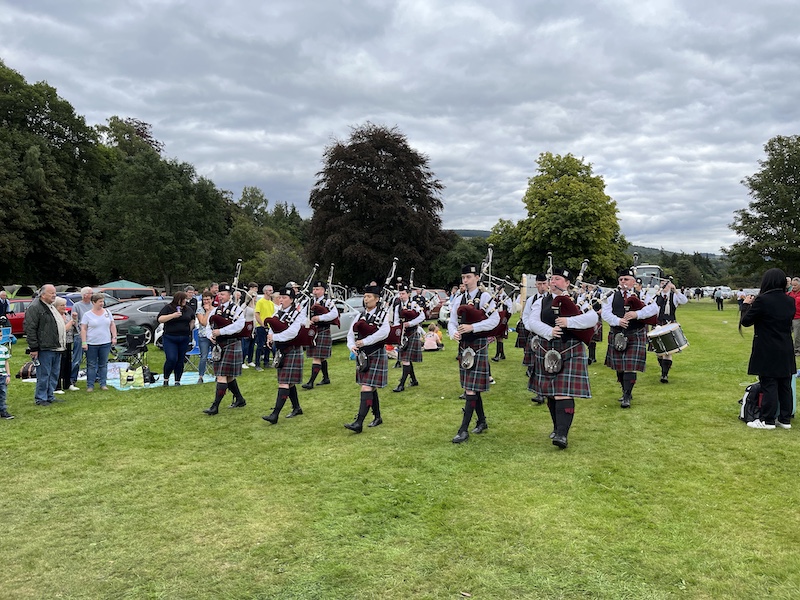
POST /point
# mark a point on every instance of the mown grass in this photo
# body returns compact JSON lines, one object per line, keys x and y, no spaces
{"x":140,"y":495}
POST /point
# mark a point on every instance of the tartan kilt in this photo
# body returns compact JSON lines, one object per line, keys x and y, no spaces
{"x":292,"y":370}
{"x":635,"y":356}
{"x":527,"y":356}
{"x":230,"y":365}
{"x":322,"y":347}
{"x":377,"y":375}
{"x":413,"y":352}
{"x":572,"y":381}
{"x":476,"y":379}
{"x":522,"y":336}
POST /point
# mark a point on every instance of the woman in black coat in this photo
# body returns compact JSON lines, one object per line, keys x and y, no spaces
{"x":772,"y":357}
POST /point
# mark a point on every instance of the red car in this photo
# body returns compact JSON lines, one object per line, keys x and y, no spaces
{"x":17,"y":315}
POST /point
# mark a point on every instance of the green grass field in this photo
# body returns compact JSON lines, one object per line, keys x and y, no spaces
{"x":140,"y":495}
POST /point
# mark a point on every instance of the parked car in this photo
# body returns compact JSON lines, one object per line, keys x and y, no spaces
{"x":142,"y":312}
{"x":16,"y":317}
{"x":436,"y":299}
{"x":347,"y":314}
{"x":444,"y":315}
{"x":73,"y":297}
{"x":356,"y":302}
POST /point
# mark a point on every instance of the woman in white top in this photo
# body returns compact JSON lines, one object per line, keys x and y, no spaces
{"x":98,"y":332}
{"x":203,"y":311}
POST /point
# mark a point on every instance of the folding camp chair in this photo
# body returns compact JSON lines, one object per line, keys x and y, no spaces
{"x":192,"y":357}
{"x":6,"y":338}
{"x":135,"y":351}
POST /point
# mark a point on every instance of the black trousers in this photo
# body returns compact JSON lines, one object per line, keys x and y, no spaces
{"x":777,"y":392}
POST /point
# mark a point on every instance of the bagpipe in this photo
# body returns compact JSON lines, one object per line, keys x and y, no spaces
{"x":564,"y":306}
{"x":232,"y":312}
{"x":308,"y":332}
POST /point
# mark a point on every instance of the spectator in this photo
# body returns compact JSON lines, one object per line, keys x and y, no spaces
{"x":47,"y":338}
{"x":98,"y":332}
{"x":191,"y":297}
{"x":249,"y":305}
{"x":772,"y":357}
{"x":65,"y":373}
{"x":795,"y":295}
{"x":740,"y":296}
{"x":178,"y":320}
{"x":5,"y":379}
{"x":720,"y":300}
{"x":78,"y":310}
{"x":203,"y":311}
{"x":5,"y":305}
{"x":265,"y":308}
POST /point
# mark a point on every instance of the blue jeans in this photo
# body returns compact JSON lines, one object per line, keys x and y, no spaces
{"x":205,"y":346}
{"x":175,"y":347}
{"x":47,"y":375}
{"x":77,"y":356}
{"x":97,"y":364}
{"x":261,"y":341}
{"x":247,"y":349}
{"x":3,"y":389}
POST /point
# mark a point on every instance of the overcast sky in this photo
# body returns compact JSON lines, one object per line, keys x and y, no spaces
{"x":671,"y":101}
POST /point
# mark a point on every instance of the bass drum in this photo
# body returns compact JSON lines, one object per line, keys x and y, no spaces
{"x":667,"y":338}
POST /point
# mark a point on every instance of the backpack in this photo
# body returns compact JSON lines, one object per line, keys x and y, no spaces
{"x":751,"y":403}
{"x":27,"y":371}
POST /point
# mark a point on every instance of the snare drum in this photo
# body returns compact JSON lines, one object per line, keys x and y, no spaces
{"x":667,"y":338}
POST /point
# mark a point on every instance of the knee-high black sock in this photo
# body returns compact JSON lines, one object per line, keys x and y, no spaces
{"x":293,"y":397}
{"x":661,"y":363}
{"x":280,"y":400}
{"x":315,"y":369}
{"x":376,"y":404}
{"x":479,"y":408}
{"x":593,"y":351}
{"x":469,"y":408}
{"x":406,"y":370}
{"x":565,"y":409}
{"x":551,"y":405}
{"x":620,"y":377}
{"x":324,"y":367}
{"x":411,"y":372}
{"x":233,"y":386}
{"x":665,"y":366}
{"x":628,"y":382}
{"x":364,"y":406}
{"x":219,"y":394}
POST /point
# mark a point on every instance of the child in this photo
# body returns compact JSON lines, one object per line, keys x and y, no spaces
{"x":5,"y":355}
{"x":433,"y":340}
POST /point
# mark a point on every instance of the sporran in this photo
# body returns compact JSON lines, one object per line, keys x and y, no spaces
{"x":362,"y":361}
{"x":216,"y":353}
{"x":553,"y":362}
{"x":620,"y":342}
{"x":467,"y":358}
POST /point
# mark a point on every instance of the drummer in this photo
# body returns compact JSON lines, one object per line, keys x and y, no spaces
{"x":668,"y":300}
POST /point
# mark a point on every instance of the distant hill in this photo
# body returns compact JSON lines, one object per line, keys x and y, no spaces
{"x":472,"y":233}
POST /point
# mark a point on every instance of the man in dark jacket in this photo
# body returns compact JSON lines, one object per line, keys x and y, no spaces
{"x":47,"y":340}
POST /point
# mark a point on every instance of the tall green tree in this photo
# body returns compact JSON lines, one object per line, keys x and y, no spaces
{"x":769,"y":228}
{"x":375,"y":198}
{"x":570,"y":215}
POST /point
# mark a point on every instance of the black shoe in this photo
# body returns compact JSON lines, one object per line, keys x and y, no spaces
{"x":238,"y":403}
{"x":272,"y":418}
{"x":462,"y":436}
{"x":625,"y":402}
{"x":397,"y":365}
{"x":414,"y":383}
{"x":307,"y":386}
{"x":375,"y":422}
{"x":480,"y":427}
{"x":538,"y":400}
{"x":325,"y":381}
{"x":5,"y":415}
{"x":664,"y":379}
{"x":177,"y":383}
{"x":400,"y":387}
{"x":463,"y":396}
{"x":552,"y":434}
{"x":502,"y":357}
{"x":354,"y":426}
{"x":495,"y":359}
{"x":560,"y":441}
{"x":211,"y":411}
{"x":295,"y":413}
{"x":166,"y":383}
{"x":43,"y":403}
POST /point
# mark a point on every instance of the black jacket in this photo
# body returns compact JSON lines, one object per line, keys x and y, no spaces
{"x":771,"y":315}
{"x":41,"y":329}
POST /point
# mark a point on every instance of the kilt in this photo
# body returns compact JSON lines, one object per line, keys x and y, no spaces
{"x":572,"y":381}
{"x":522,"y":336}
{"x":377,"y":375}
{"x":527,"y":356}
{"x":413,"y":352}
{"x":635,"y":356}
{"x":476,"y":379}
{"x":322,"y":348}
{"x":292,"y":370}
{"x":230,"y":365}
